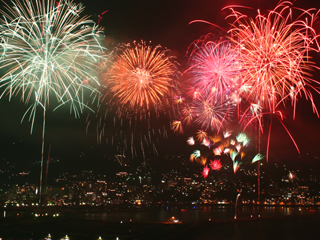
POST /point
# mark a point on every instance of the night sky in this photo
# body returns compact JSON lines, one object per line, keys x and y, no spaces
{"x":166,"y":23}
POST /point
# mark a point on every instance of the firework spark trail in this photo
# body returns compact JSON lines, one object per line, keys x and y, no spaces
{"x":176,"y":126}
{"x":187,"y":112}
{"x":140,"y":84}
{"x":215,"y":165}
{"x":251,"y":115}
{"x":205,"y":172}
{"x":191,"y":141}
{"x":214,"y":65}
{"x":274,"y":50}
{"x":213,"y":84}
{"x":201,"y":135}
{"x":49,"y":50}
{"x":206,"y":142}
{"x":211,"y":111}
{"x":274,"y":55}
{"x":272,"y":60}
{"x":46,"y":54}
{"x":227,"y":133}
{"x":142,"y":75}
{"x":236,"y":148}
{"x":257,"y":157}
{"x":236,"y":166}
{"x":293,"y":178}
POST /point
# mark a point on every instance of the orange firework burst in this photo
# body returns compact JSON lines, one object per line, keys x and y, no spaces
{"x":187,"y":112}
{"x":201,"y":135}
{"x":274,"y":55}
{"x":215,"y":138}
{"x":142,"y":75}
{"x":176,"y":126}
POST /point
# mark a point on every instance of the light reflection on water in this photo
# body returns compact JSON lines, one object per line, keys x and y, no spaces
{"x":190,"y":214}
{"x":194,"y":215}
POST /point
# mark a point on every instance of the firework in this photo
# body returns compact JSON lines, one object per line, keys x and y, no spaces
{"x":205,"y":172}
{"x":238,"y":147}
{"x":226,"y":150}
{"x":227,"y":133}
{"x":191,"y":141}
{"x":257,"y":157}
{"x":217,"y":151}
{"x":196,"y":153}
{"x":49,"y":54}
{"x":202,"y":160}
{"x":176,"y":126}
{"x":179,"y":99}
{"x":242,"y":138}
{"x":136,"y":134}
{"x":201,"y":135}
{"x":206,"y":142}
{"x":214,"y":65}
{"x":274,"y":55}
{"x":215,"y":138}
{"x":142,"y":75}
{"x":251,"y":115}
{"x":48,"y":50}
{"x":187,"y":112}
{"x":274,"y":50}
{"x":216,"y":164}
{"x":292,"y":176}
{"x":236,"y":166}
{"x":220,"y":147}
{"x":137,"y":90}
{"x":100,"y":16}
{"x":192,"y":158}
{"x":211,"y":111}
{"x":233,"y":155}
{"x":212,"y":83}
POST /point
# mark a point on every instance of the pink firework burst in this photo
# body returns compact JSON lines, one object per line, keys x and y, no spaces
{"x":214,"y":65}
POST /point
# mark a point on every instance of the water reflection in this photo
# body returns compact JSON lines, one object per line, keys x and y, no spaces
{"x":194,"y":215}
{"x":190,"y":214}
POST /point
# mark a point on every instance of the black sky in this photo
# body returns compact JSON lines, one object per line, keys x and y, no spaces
{"x":164,"y":22}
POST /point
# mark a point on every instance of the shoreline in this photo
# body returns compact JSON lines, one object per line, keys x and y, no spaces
{"x":120,"y":207}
